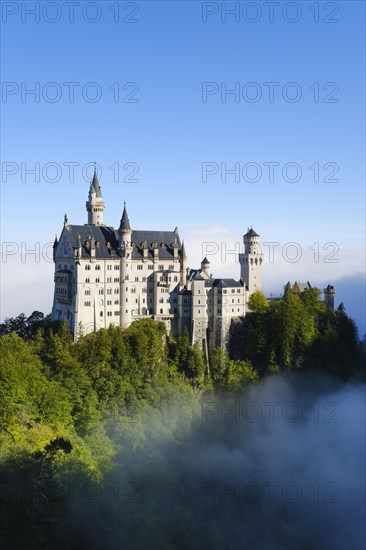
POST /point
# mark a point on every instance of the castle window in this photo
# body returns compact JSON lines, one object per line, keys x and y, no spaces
{"x":199,"y":311}
{"x":171,"y":266}
{"x":136,"y":279}
{"x":219,"y":311}
{"x":116,"y":302}
{"x":109,"y":302}
{"x":109,"y":267}
{"x":140,"y":267}
{"x":224,"y":291}
{"x":87,"y":267}
{"x":97,"y":280}
{"x":144,"y":279}
{"x":109,"y":291}
{"x":101,"y":291}
{"x":161,"y":311}
{"x":87,"y":293}
{"x":150,"y":266}
{"x":116,"y":312}
{"x":101,"y":313}
{"x":232,"y":290}
{"x":87,"y":280}
{"x":97,"y":267}
{"x":199,"y":301}
{"x":86,"y":304}
{"x":116,"y":279}
{"x":232,"y":300}
{"x":161,"y":268}
{"x":175,"y":279}
{"x":109,"y":314}
{"x":116,"y":291}
{"x":116,"y":267}
{"x":144,"y":290}
{"x":98,"y":244}
{"x":199,"y":292}
{"x":109,"y":279}
{"x":133,"y":290}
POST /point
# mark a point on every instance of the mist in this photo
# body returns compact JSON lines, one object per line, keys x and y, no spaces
{"x":279,"y":466}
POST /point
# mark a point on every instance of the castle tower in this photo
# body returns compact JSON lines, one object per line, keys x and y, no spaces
{"x":205,"y":266}
{"x":125,"y":248}
{"x":95,"y":204}
{"x":251,"y":262}
{"x":329,"y":293}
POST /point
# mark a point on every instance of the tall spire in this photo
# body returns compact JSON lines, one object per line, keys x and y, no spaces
{"x":125,"y":222}
{"x":95,"y":205}
{"x":94,"y":185}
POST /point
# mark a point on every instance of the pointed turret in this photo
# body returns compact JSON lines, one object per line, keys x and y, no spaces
{"x":95,"y":204}
{"x":125,"y":222}
{"x":95,"y":186}
{"x":124,"y":230}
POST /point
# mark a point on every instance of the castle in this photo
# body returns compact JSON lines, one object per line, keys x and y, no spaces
{"x":105,"y":276}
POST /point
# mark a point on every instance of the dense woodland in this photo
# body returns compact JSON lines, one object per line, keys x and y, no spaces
{"x":74,"y":416}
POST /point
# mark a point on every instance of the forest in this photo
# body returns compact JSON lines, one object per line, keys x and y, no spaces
{"x":102,"y":440}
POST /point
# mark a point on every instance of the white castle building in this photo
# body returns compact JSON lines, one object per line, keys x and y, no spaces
{"x":106,"y":276}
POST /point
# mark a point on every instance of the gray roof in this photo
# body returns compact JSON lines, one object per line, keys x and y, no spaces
{"x":94,"y":186}
{"x":205,"y":261}
{"x":251,"y":233}
{"x":220,"y":283}
{"x":108,"y":235}
{"x":125,"y":222}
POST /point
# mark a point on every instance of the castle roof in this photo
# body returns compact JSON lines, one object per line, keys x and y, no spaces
{"x":222,"y":283}
{"x":94,"y":186}
{"x":125,"y":222}
{"x":106,"y":239}
{"x":251,"y":233}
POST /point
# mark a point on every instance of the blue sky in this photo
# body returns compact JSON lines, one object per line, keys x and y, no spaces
{"x":169,"y":132}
